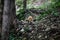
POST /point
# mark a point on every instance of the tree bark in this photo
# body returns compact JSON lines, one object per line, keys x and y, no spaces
{"x":24,"y":4}
{"x":1,"y":13}
{"x":6,"y":20}
{"x":8,"y":17}
{"x":13,"y":19}
{"x":24,"y":7}
{"x":13,"y":12}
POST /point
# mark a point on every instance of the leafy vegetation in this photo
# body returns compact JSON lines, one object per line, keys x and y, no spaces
{"x":49,"y":7}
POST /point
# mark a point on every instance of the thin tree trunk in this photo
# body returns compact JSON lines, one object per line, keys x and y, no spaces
{"x":24,"y":7}
{"x":24,"y":4}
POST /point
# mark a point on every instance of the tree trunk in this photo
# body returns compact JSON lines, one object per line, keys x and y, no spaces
{"x":13,"y":19}
{"x":1,"y":12}
{"x":24,"y":7}
{"x":24,"y":4}
{"x":13,"y":12}
{"x":8,"y":18}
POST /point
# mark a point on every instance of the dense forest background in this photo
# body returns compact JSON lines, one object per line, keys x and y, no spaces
{"x":29,"y":19}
